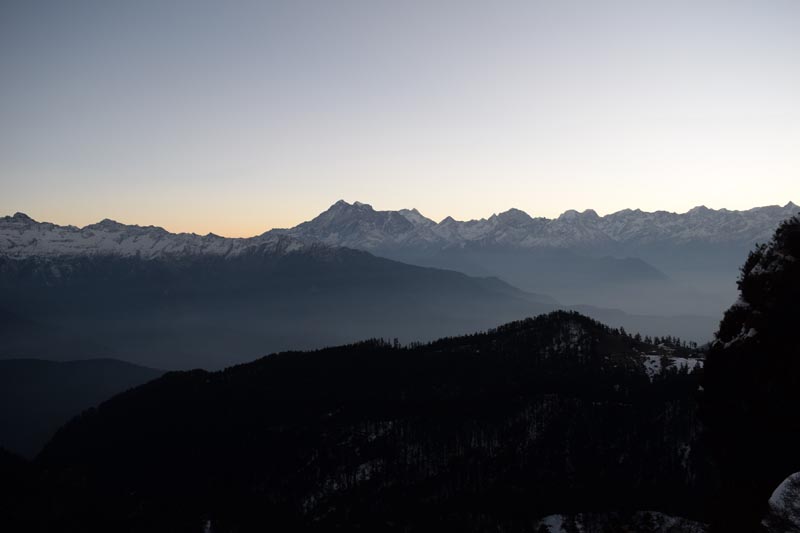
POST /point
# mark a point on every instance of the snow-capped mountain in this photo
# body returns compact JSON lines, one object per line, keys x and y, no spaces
{"x":358,"y":225}
{"x":169,"y":300}
{"x":642,"y":263}
{"x":22,"y":237}
{"x":649,"y":263}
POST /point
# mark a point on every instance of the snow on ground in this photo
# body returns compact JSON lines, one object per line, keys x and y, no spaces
{"x":553,"y":523}
{"x":652,"y":364}
{"x":784,"y":506}
{"x":649,"y":521}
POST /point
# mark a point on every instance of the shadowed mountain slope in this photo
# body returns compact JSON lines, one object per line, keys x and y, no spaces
{"x":205,"y":310}
{"x":552,"y":414}
{"x":40,"y":396}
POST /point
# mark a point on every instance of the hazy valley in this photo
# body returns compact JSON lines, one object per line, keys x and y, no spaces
{"x":183,"y":300}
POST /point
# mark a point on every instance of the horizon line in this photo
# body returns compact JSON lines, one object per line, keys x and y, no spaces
{"x":356,"y":203}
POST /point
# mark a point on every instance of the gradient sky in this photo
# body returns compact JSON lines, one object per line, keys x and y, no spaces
{"x":235,"y":117}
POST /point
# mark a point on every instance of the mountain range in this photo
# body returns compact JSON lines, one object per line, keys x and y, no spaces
{"x":182,"y":301}
{"x":358,"y":225}
{"x":657,"y":263}
{"x":170,"y":301}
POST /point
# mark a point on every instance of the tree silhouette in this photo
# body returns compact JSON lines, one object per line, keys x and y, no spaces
{"x":752,"y":383}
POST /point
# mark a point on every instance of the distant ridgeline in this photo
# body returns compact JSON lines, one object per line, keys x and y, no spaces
{"x":179,"y":301}
{"x":644,"y":263}
{"x":493,"y":430}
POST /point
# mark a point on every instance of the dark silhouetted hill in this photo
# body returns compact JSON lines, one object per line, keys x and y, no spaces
{"x":37,"y":397}
{"x":487,"y":431}
{"x":211,"y":312}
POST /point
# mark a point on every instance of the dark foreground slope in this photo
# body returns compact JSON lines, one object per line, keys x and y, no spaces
{"x":752,"y":397}
{"x":37,"y":397}
{"x":490,"y":431}
{"x":210,"y":312}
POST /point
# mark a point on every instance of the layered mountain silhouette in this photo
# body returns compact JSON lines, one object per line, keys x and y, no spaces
{"x":40,"y":396}
{"x":658,"y":263}
{"x":553,"y":414}
{"x":554,"y":423}
{"x":182,"y":301}
{"x":358,"y":225}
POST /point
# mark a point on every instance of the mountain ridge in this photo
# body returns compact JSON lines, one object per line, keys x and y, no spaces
{"x":652,"y":263}
{"x":22,"y":237}
{"x":645,"y":264}
{"x":358,"y":225}
{"x":198,"y":310}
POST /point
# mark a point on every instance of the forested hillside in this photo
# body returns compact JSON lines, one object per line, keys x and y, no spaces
{"x":498,"y":429}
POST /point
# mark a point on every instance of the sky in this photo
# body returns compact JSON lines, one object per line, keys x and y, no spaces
{"x":236,"y":117}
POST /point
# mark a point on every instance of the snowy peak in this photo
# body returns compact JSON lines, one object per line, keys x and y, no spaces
{"x":18,"y":220}
{"x":21,"y":217}
{"x":358,"y":225}
{"x":110,"y":225}
{"x":573,"y":215}
{"x":569,"y":214}
{"x":21,"y":237}
{"x":414,"y":216}
{"x":514,"y":217}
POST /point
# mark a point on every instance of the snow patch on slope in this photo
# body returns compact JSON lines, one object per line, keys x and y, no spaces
{"x":784,"y":506}
{"x":650,"y":521}
{"x":653,"y":364}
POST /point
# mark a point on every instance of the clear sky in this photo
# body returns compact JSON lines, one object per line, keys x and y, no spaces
{"x":235,"y":117}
